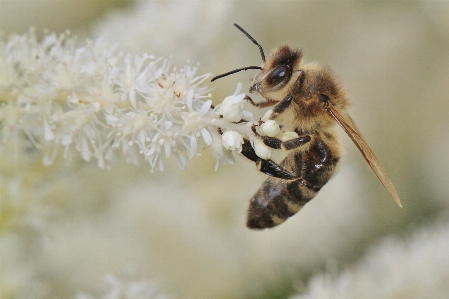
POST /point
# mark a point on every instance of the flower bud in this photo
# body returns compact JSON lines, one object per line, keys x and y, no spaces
{"x":262,"y":151}
{"x":270,"y":128}
{"x":232,"y":107}
{"x":232,"y":140}
{"x":232,"y":112}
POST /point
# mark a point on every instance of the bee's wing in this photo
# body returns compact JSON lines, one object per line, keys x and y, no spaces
{"x":348,"y":125}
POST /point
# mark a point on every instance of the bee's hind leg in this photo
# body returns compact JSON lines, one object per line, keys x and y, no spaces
{"x":268,"y":167}
{"x":271,"y":168}
{"x":248,"y":151}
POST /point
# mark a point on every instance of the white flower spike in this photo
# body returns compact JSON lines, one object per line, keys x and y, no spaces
{"x":99,"y":103}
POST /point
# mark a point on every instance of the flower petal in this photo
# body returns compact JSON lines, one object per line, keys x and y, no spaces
{"x":248,"y":115}
{"x":167,"y":125}
{"x":205,"y":107}
{"x":239,"y":87}
{"x":193,"y":146}
{"x":171,"y":118}
{"x":189,"y":100}
{"x":206,"y":136}
{"x":132,"y":98}
{"x":48,"y":132}
{"x":167,"y":148}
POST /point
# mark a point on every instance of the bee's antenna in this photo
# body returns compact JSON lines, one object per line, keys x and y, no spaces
{"x":244,"y":68}
{"x":236,"y":71}
{"x":252,"y":39}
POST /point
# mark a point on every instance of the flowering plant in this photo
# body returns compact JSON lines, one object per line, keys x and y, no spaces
{"x":96,"y":102}
{"x":99,"y":101}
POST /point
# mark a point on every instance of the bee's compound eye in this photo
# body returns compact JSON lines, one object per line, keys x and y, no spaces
{"x":324,"y":99}
{"x":277,"y":75}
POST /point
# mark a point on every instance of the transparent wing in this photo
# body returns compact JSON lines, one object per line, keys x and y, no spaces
{"x":348,"y":125}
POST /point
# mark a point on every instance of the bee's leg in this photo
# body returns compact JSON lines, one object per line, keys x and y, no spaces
{"x":278,"y":109}
{"x":276,"y":143}
{"x":271,"y":168}
{"x":268,"y":103}
{"x":296,"y":142}
{"x":272,"y":142}
{"x":268,"y":167}
{"x":281,"y":106}
{"x":248,"y":151}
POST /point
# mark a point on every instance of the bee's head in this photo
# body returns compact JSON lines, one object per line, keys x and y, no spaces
{"x":277,"y":72}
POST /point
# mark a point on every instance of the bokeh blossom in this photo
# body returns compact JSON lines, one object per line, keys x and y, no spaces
{"x":413,"y":267}
{"x":125,"y":287}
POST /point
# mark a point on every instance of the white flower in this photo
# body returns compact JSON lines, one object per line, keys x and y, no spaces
{"x":232,"y":107}
{"x":232,"y":112}
{"x":270,"y":128}
{"x":412,"y":267}
{"x":232,"y":140}
{"x":219,"y":152}
{"x":262,"y":151}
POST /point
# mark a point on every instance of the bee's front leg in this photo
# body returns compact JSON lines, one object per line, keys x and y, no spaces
{"x":268,"y":102}
{"x":278,"y":109}
{"x":281,"y":106}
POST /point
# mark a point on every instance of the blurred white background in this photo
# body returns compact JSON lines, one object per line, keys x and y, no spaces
{"x":184,"y":230}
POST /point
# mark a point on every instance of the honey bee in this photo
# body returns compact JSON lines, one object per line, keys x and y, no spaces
{"x":311,"y":100}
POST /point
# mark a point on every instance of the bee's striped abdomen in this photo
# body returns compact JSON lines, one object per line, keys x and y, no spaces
{"x":278,"y":199}
{"x":275,"y":201}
